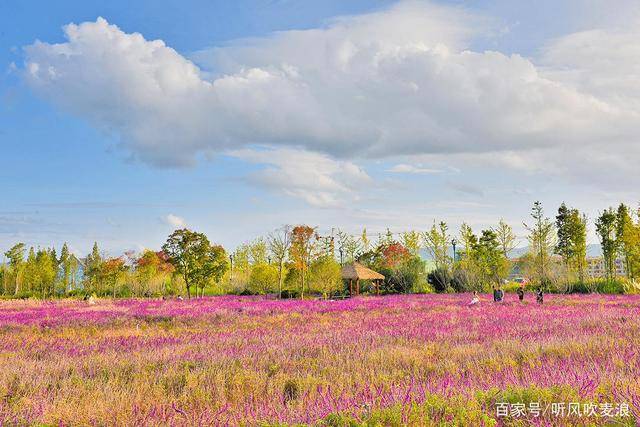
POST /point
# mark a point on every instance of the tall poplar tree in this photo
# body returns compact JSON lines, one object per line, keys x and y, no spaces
{"x":571,"y":243}
{"x":279,"y":243}
{"x":302,"y":250}
{"x":606,"y":229}
{"x":541,"y":242}
{"x":436,"y":241}
{"x":506,"y":237}
{"x":628,"y":238}
{"x":15,"y":255}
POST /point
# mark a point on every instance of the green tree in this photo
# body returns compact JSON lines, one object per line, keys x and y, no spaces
{"x":408,"y":276}
{"x":506,"y":237}
{"x":411,"y":241}
{"x":541,"y":243}
{"x":30,"y":275}
{"x":325,"y":276}
{"x":65,"y":267}
{"x":578,"y":227}
{"x":152,"y":273}
{"x":366,"y":244}
{"x":93,"y":269}
{"x":467,"y":271}
{"x":606,"y":230}
{"x":385,"y":239}
{"x":194,"y":258}
{"x":46,"y":268}
{"x":493,"y":264}
{"x":258,"y":252}
{"x":241,"y":267}
{"x":571,"y":242}
{"x":279,"y":243}
{"x":349,"y":246}
{"x":112,"y":272}
{"x":263,"y":278}
{"x":15,"y":255}
{"x":4,"y":278}
{"x":628,"y":240}
{"x":564,"y":244}
{"x":437,"y":243}
{"x":302,"y":251}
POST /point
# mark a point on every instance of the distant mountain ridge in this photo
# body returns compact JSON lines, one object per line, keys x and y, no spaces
{"x":594,"y":250}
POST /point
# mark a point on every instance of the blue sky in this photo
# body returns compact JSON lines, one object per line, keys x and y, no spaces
{"x":284,"y":121}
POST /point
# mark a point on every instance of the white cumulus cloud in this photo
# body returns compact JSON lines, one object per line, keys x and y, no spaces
{"x":315,"y":178}
{"x":403,"y":81}
{"x":174,"y":221}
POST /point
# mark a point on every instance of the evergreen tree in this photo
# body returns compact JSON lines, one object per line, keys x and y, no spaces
{"x":492,"y":263}
{"x":93,"y":268}
{"x":65,"y":267}
{"x":564,"y":246}
{"x":571,"y":243}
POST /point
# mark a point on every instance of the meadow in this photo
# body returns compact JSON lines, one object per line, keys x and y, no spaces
{"x":391,"y":360}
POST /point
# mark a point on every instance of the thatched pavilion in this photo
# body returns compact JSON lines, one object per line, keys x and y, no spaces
{"x":355,"y":272}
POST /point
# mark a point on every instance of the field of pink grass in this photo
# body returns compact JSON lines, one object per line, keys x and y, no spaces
{"x":393,"y":360}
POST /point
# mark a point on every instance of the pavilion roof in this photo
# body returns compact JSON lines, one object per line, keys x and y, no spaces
{"x":357,"y":271}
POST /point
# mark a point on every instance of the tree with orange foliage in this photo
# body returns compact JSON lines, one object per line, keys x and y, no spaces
{"x":112,"y":270}
{"x":303,"y":242}
{"x":394,"y":254}
{"x":152,"y":268}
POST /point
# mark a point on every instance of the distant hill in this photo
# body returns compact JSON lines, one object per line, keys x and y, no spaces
{"x":593,"y":250}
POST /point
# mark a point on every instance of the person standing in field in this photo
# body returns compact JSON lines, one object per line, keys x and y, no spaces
{"x":540,"y":296}
{"x":521,"y":293}
{"x":495,"y":294}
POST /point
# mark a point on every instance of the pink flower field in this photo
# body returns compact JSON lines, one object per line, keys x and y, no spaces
{"x":395,"y":360}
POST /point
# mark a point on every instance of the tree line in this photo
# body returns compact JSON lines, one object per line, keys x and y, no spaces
{"x":297,"y":261}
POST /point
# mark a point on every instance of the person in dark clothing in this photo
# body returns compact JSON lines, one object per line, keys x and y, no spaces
{"x":496,"y":294}
{"x":540,"y":296}
{"x":521,"y":293}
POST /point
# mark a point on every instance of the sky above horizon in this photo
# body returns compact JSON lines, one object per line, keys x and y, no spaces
{"x":120,"y":121}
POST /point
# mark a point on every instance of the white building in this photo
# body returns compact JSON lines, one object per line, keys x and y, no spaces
{"x":595,"y":267}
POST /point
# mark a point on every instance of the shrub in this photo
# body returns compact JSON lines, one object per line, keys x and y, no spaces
{"x":290,"y":391}
{"x":26,"y":295}
{"x":263,"y":279}
{"x":511,"y":286}
{"x":325,"y":277}
{"x":460,"y":281}
{"x":290,"y":293}
{"x":615,"y":286}
{"x":410,"y":275}
{"x":439,"y":279}
{"x":407,"y":276}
